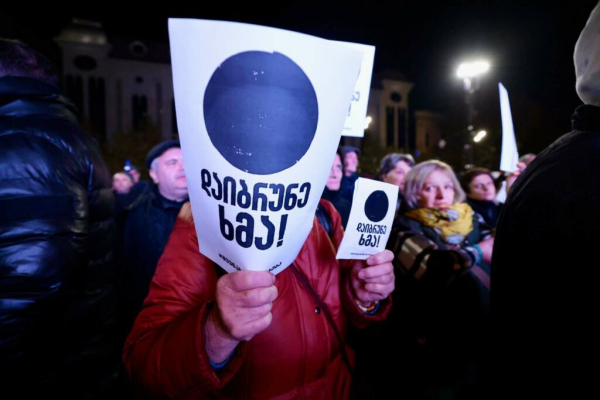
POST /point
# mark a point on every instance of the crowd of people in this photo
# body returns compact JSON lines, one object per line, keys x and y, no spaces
{"x":104,"y":292}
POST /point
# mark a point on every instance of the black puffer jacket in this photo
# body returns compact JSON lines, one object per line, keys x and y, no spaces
{"x":147,"y":230}
{"x":57,"y":234}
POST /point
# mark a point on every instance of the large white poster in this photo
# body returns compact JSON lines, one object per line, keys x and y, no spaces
{"x":260,"y":112}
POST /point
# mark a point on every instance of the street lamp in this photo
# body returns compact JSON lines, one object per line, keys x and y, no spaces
{"x":470,"y":73}
{"x":480,"y":135}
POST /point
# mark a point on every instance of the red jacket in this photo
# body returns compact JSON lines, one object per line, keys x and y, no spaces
{"x":297,"y":356}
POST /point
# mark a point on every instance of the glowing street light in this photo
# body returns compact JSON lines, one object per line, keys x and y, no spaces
{"x":472,"y":69}
{"x":470,"y":72}
{"x":480,"y":135}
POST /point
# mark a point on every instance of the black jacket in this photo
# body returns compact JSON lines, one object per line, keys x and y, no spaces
{"x":57,"y":297}
{"x":545,"y":272}
{"x":341,"y":204}
{"x":487,"y":211}
{"x":147,"y":228}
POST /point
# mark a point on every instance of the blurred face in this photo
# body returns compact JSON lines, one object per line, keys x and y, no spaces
{"x":335,"y":174}
{"x":437,"y":191}
{"x":529,"y":159}
{"x":482,"y":188}
{"x":122,"y":183}
{"x":169,"y":175}
{"x":397,"y":175}
{"x":350,"y":162}
{"x":135,"y":175}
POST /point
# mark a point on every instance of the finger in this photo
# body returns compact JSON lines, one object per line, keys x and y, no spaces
{"x":246,"y":280}
{"x":383,"y":279}
{"x":358,"y":266}
{"x":380,"y":258}
{"x":375,"y":271}
{"x":379,"y":289}
{"x":250,"y":314}
{"x":247,"y":331}
{"x":369,"y":297}
{"x":257,"y":297}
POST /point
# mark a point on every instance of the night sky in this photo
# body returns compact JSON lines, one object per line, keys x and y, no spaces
{"x":529,"y":44}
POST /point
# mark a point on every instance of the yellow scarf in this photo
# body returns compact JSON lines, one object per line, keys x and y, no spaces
{"x":452,"y":223}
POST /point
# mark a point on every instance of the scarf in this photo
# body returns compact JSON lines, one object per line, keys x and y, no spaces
{"x":452,"y":223}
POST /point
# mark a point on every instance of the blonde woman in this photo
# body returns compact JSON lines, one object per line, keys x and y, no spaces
{"x":441,"y":259}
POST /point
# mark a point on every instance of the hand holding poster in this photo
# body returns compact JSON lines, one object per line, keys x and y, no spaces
{"x":370,"y":221}
{"x":260,"y":113}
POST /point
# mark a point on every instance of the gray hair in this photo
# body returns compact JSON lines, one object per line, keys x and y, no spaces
{"x":415,"y":180}
{"x":389,"y":162}
{"x":527,"y":158}
{"x":154,"y":164}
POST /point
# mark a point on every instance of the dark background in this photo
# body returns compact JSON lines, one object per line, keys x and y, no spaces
{"x":529,"y":44}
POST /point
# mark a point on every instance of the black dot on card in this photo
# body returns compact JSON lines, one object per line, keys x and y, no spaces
{"x":376,"y":206}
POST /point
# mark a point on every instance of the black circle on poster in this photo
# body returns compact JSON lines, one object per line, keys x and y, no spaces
{"x":376,"y":206}
{"x":260,"y":111}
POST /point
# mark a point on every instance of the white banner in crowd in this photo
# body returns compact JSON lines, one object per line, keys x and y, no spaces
{"x":370,"y":221}
{"x":510,"y":155}
{"x":260,"y":113}
{"x":357,"y":111}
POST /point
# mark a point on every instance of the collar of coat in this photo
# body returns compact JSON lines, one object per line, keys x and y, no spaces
{"x":27,"y":96}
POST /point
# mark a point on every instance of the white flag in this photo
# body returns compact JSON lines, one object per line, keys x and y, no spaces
{"x":510,"y":154}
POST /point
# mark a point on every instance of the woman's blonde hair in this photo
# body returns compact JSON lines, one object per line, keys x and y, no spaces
{"x":413,"y":184}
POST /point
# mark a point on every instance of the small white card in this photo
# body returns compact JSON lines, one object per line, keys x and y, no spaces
{"x":370,"y":221}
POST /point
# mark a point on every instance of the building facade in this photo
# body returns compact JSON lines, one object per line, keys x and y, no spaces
{"x":392,"y":123}
{"x":117,"y":86}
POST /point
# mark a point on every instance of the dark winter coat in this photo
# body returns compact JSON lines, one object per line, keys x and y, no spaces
{"x":57,"y":235}
{"x":147,"y":229}
{"x":545,"y":271}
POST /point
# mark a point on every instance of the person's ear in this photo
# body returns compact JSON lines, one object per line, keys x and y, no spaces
{"x":153,"y":176}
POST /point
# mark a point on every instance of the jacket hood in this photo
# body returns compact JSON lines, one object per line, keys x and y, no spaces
{"x":24,"y":96}
{"x":587,"y":60}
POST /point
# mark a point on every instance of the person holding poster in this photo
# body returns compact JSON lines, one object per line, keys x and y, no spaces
{"x":256,"y":108}
{"x":440,"y":310}
{"x":249,"y":333}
